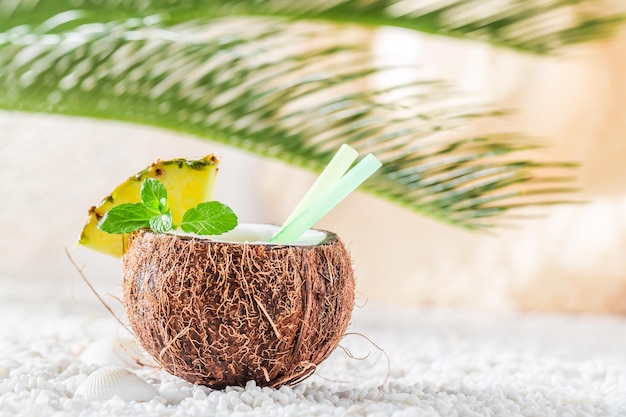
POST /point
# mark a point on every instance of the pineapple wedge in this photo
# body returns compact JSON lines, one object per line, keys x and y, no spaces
{"x":188,"y":183}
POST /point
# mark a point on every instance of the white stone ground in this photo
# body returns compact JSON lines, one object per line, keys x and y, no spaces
{"x":441,"y":363}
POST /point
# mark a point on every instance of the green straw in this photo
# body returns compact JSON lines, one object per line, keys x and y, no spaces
{"x":326,"y":201}
{"x":335,"y":169}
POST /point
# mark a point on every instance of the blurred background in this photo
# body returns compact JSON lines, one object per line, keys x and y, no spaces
{"x":571,"y":259}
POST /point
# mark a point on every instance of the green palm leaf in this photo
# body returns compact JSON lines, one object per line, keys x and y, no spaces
{"x":532,"y":26}
{"x":261,"y":90}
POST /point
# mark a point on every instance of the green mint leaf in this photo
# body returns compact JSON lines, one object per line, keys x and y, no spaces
{"x":126,"y":218}
{"x":210,"y":218}
{"x":154,"y":195}
{"x":161,"y":223}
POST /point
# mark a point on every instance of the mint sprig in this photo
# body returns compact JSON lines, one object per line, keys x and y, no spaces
{"x":126,"y":218}
{"x":162,"y":223}
{"x":209,"y":218}
{"x":154,"y":195}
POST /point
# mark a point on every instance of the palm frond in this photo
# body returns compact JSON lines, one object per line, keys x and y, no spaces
{"x":263,"y":89}
{"x":537,"y":26}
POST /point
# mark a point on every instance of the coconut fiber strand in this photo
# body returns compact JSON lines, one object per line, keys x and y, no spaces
{"x":219,"y":314}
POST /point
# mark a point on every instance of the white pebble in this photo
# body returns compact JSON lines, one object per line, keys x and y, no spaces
{"x":246,"y":398}
{"x":281,"y":397}
{"x":43,"y":397}
{"x":260,"y":399}
{"x":243,"y":408}
{"x":199,"y":395}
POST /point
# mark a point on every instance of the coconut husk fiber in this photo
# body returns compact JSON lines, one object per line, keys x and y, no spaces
{"x":219,"y":314}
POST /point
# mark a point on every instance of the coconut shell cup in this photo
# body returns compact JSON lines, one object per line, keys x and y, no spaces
{"x":222,"y":313}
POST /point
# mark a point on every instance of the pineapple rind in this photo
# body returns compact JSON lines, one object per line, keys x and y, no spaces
{"x":188,"y":183}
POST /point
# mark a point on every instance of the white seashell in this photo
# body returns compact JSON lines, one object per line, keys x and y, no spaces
{"x":107,"y":382}
{"x":109,"y":351}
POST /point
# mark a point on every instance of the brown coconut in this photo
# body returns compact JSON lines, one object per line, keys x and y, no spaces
{"x":218,"y":313}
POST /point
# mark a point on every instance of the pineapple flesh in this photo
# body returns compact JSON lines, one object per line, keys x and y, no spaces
{"x":188,"y":183}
